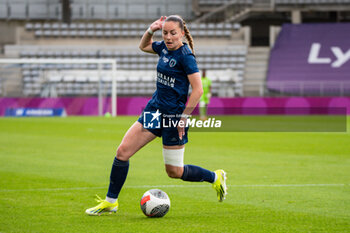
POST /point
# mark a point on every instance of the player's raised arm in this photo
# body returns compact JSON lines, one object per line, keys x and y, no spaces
{"x":146,"y":40}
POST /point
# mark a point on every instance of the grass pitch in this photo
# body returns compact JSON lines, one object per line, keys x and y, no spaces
{"x":51,"y":168}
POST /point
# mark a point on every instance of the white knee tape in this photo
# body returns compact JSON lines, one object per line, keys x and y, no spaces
{"x":174,"y":157}
{"x":201,"y":104}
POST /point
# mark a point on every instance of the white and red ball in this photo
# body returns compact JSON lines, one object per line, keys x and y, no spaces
{"x":155,"y":203}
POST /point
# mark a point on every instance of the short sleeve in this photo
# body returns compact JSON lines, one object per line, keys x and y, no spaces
{"x":189,"y":64}
{"x":157,"y":46}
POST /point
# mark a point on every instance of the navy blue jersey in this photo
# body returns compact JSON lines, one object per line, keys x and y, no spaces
{"x":172,"y":82}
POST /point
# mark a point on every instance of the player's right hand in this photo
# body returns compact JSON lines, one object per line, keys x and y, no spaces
{"x":181,"y":127}
{"x":158,"y":24}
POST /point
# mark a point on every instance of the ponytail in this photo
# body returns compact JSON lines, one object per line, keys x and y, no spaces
{"x":188,"y":36}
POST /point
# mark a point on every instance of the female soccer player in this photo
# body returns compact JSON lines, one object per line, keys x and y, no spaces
{"x":176,"y":70}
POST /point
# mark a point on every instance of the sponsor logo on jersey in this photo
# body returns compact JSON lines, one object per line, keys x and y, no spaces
{"x":165,"y":80}
{"x":165,"y":59}
{"x":164,"y":51}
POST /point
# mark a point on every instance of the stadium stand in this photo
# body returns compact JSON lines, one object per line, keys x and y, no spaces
{"x":226,"y":68}
{"x":116,"y":30}
{"x":93,"y":10}
{"x":233,"y":58}
{"x":225,"y":34}
{"x":45,"y":41}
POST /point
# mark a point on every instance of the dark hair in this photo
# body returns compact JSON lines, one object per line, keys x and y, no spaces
{"x":182,"y":23}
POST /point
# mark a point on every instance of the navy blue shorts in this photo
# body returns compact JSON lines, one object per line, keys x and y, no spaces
{"x":170,"y":135}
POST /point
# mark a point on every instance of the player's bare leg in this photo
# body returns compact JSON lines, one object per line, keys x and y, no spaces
{"x":134,"y":139}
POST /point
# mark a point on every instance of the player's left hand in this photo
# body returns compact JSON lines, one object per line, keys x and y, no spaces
{"x":181,"y":127}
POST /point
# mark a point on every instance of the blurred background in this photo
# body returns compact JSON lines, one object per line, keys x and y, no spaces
{"x":263,"y":48}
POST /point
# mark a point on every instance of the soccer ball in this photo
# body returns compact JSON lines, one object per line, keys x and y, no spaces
{"x":155,"y":203}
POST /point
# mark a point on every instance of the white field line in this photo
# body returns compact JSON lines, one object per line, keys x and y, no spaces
{"x":172,"y":186}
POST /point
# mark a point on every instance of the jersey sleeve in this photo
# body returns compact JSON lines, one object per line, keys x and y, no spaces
{"x":157,"y":46}
{"x":189,"y":64}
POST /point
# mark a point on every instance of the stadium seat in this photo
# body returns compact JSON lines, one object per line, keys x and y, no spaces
{"x":64,"y":33}
{"x":46,"y":26}
{"x":47,"y":33}
{"x":90,"y":33}
{"x":55,"y":33}
{"x":68,"y":78}
{"x":82,"y":33}
{"x":81,"y":26}
{"x":37,"y":26}
{"x":29,"y":26}
{"x":81,"y":78}
{"x":64,"y":26}
{"x":93,"y":78}
{"x":38,"y":33}
{"x":55,"y":78}
{"x":90,"y":26}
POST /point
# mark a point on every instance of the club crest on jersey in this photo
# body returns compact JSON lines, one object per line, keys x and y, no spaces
{"x":172,"y":62}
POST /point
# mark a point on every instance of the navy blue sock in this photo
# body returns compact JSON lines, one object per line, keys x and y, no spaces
{"x":118,"y":176}
{"x":197,"y":174}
